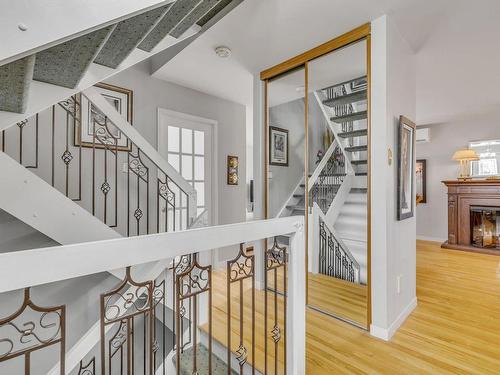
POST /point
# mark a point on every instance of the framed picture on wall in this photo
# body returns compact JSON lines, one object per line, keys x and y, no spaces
{"x":232,"y":170}
{"x":91,"y":118}
{"x":406,"y":168}
{"x":278,"y":146}
{"x":421,"y":180}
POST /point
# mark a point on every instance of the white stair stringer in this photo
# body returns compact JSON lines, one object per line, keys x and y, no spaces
{"x":29,"y":198}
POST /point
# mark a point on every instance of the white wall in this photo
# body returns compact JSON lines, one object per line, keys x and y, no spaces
{"x":446,"y":138}
{"x":393,"y":242}
{"x":151,"y":93}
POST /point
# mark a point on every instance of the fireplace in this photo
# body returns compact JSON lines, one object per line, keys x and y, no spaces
{"x":474,"y":216}
{"x":485,"y":227}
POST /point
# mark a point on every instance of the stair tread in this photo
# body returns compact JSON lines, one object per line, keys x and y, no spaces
{"x":359,"y":190}
{"x":213,"y":12}
{"x":354,"y":97}
{"x":361,"y":174}
{"x":202,"y":355}
{"x":359,"y":162}
{"x":16,"y":78}
{"x":60,"y":65}
{"x":356,"y":148}
{"x":350,"y":117}
{"x":127,"y":35}
{"x":198,"y":12}
{"x":175,"y":14}
{"x":354,"y":133}
{"x":296,"y":207}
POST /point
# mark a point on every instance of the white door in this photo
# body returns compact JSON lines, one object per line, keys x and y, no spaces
{"x":187,"y":143}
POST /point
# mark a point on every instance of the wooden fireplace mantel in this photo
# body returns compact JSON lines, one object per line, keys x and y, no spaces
{"x":461,"y":196}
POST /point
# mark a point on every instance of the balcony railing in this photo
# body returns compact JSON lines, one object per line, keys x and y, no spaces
{"x":185,"y":317}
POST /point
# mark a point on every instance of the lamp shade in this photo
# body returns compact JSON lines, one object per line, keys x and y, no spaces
{"x":465,"y":155}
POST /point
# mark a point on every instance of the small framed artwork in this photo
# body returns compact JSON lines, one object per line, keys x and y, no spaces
{"x":232,"y":170}
{"x":421,"y":180}
{"x":278,"y":146}
{"x":406,"y":168}
{"x":89,"y":117}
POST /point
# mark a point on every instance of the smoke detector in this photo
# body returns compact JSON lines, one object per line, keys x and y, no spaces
{"x":222,"y":51}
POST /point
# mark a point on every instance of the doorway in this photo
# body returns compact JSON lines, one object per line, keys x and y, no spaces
{"x":187,"y":143}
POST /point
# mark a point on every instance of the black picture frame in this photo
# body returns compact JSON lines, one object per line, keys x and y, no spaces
{"x":423,"y":168}
{"x":406,"y":169}
{"x":278,"y":153}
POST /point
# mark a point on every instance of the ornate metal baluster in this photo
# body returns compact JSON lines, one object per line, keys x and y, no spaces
{"x":159,"y":302}
{"x":275,"y":258}
{"x":239,"y":269}
{"x":180,"y":266}
{"x":190,"y":284}
{"x":141,"y":172}
{"x":122,"y":307}
{"x":88,"y":369}
{"x":32,"y":334}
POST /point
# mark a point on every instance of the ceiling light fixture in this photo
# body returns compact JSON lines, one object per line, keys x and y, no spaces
{"x":222,"y":51}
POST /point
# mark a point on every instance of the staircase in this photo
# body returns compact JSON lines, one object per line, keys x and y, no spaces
{"x":50,"y":73}
{"x":344,"y":105}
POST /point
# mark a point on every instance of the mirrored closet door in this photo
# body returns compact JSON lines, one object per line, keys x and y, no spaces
{"x":338,"y":183}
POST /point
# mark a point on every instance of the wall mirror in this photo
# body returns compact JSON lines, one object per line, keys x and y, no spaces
{"x":318,"y":165}
{"x":489,"y":158}
{"x":338,"y":183}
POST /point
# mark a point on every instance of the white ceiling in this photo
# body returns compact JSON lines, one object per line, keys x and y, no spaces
{"x":262,"y":33}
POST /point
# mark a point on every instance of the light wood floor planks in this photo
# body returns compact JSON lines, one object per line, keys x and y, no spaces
{"x":454,"y":330}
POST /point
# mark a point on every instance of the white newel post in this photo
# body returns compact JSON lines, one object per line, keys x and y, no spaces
{"x":296,"y":305}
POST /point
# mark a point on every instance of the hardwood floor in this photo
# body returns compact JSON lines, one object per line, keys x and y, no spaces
{"x":455,"y":328}
{"x":338,"y":297}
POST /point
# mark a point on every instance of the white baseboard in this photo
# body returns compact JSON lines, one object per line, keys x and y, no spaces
{"x":386,"y":334}
{"x":434,"y":239}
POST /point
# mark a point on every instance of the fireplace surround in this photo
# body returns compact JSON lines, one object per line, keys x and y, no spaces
{"x":473,"y":207}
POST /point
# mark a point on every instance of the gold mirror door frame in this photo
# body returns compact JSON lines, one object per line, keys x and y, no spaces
{"x":301,"y":62}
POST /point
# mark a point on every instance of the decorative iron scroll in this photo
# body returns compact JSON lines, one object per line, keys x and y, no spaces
{"x":334,"y":260}
{"x":32,"y":328}
{"x":276,"y":259}
{"x":191,"y":284}
{"x":88,"y":369}
{"x":123,"y":309}
{"x":239,"y":270}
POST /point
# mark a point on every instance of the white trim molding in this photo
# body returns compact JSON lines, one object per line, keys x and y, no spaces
{"x":387,"y":333}
{"x":433,"y":239}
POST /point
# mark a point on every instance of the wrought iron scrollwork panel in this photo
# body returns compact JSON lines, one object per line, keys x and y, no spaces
{"x":195,"y":281}
{"x":124,"y":310}
{"x":240,"y":272}
{"x":32,"y":328}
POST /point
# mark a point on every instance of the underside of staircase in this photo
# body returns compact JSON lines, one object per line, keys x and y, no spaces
{"x":80,"y":62}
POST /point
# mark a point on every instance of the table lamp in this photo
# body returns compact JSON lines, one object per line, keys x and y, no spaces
{"x":465,"y":156}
